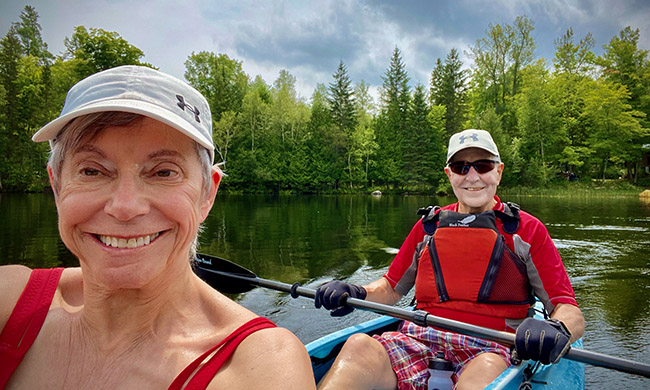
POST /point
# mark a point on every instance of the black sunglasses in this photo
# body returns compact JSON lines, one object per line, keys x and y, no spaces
{"x":463,"y":167}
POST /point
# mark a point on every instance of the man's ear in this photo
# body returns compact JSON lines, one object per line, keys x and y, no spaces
{"x":448,"y":173}
{"x":216,"y":176}
{"x":500,"y":172}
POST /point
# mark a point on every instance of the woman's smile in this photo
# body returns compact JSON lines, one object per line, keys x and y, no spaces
{"x":127,"y":242}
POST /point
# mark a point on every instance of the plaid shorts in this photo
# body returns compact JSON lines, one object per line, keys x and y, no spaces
{"x":412,"y":346}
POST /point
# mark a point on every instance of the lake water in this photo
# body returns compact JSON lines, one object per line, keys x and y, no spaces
{"x":604,"y":242}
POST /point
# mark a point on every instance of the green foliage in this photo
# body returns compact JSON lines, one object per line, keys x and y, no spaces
{"x":98,"y":50}
{"x":341,"y":100}
{"x":498,"y":58}
{"x":615,"y":129}
{"x":574,"y":59}
{"x":436,"y":150}
{"x":542,"y":136}
{"x":220,"y":79}
{"x":623,"y":63}
{"x":449,"y":89}
{"x":23,"y":89}
{"x":392,"y":124}
{"x":420,"y":163}
{"x":29,"y":32}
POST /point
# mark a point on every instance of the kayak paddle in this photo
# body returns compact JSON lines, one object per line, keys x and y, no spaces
{"x":228,"y":277}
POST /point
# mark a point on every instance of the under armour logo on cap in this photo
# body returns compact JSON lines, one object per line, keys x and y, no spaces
{"x":473,"y":136}
{"x":181,"y":103}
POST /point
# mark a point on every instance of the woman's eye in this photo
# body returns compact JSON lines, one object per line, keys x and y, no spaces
{"x":89,"y":172}
{"x":165,"y":173}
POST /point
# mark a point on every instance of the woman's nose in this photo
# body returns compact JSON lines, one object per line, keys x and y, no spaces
{"x":127,"y":200}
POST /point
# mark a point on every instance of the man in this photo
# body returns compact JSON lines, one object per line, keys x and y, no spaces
{"x":132,"y":175}
{"x":461,"y":270}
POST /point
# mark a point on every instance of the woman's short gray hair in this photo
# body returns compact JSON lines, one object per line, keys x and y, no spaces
{"x":87,"y":127}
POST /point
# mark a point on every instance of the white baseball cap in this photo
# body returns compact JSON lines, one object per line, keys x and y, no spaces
{"x":139,"y":90}
{"x":471,"y":138}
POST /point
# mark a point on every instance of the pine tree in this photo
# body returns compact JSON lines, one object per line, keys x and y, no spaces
{"x":449,"y":89}
{"x":392,"y":122}
{"x":29,"y":32}
{"x":417,"y":141}
{"x":342,"y":111}
{"x":341,"y":100}
{"x":322,"y":163}
{"x":10,"y":54}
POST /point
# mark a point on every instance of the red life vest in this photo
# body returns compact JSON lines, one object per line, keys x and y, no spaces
{"x":467,"y":272}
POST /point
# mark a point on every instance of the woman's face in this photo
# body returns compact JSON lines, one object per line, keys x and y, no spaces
{"x":130,"y":203}
{"x":475,"y":191}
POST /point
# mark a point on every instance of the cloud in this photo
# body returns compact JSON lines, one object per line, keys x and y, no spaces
{"x":309,"y":38}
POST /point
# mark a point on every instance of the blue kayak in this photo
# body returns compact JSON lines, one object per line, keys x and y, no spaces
{"x":566,"y":374}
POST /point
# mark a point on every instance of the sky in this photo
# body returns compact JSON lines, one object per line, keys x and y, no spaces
{"x":310,"y":38}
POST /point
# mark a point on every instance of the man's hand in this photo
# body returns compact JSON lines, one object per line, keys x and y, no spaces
{"x":546,"y":341}
{"x":330,"y":295}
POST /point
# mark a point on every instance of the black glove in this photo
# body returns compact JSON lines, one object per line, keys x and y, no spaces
{"x":331,"y":296}
{"x":546,"y":341}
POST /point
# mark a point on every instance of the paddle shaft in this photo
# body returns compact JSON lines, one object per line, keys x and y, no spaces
{"x":422,"y":318}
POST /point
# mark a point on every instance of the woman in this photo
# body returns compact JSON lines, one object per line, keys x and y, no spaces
{"x":131,"y":172}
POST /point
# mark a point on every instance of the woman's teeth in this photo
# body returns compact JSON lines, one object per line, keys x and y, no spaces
{"x":133,"y":242}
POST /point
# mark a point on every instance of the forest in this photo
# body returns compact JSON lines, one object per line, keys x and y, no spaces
{"x":576,"y":117}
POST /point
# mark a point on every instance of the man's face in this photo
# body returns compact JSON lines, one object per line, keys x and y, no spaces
{"x":474,"y":191}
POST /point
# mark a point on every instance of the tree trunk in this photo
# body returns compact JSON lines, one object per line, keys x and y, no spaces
{"x":350,"y":168}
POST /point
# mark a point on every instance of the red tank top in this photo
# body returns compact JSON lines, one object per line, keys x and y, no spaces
{"x":32,"y":307}
{"x":226,"y":347}
{"x":26,"y":320}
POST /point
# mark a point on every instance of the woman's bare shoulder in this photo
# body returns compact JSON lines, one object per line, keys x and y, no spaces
{"x":13,"y":279}
{"x":277,"y":357}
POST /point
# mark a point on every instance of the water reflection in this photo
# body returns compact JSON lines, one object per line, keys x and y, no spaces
{"x":311,"y":239}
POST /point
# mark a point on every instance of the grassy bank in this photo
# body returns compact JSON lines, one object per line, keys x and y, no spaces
{"x":596,"y":188}
{"x":577,"y":189}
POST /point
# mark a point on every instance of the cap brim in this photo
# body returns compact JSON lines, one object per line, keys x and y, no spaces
{"x":52,"y":129}
{"x":473,"y":146}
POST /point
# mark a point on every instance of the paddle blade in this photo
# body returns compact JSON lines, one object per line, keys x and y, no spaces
{"x":223,"y":275}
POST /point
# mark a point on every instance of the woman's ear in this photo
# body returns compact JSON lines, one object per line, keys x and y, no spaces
{"x":215,"y":178}
{"x":50,"y":174}
{"x":217,"y":174}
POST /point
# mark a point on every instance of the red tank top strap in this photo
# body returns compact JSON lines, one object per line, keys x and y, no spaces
{"x":203,"y":377}
{"x":26,"y":319}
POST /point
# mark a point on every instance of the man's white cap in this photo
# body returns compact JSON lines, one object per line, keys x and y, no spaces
{"x":139,"y":90}
{"x":471,"y":138}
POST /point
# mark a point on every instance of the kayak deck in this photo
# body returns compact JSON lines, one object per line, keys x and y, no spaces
{"x":566,"y":374}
